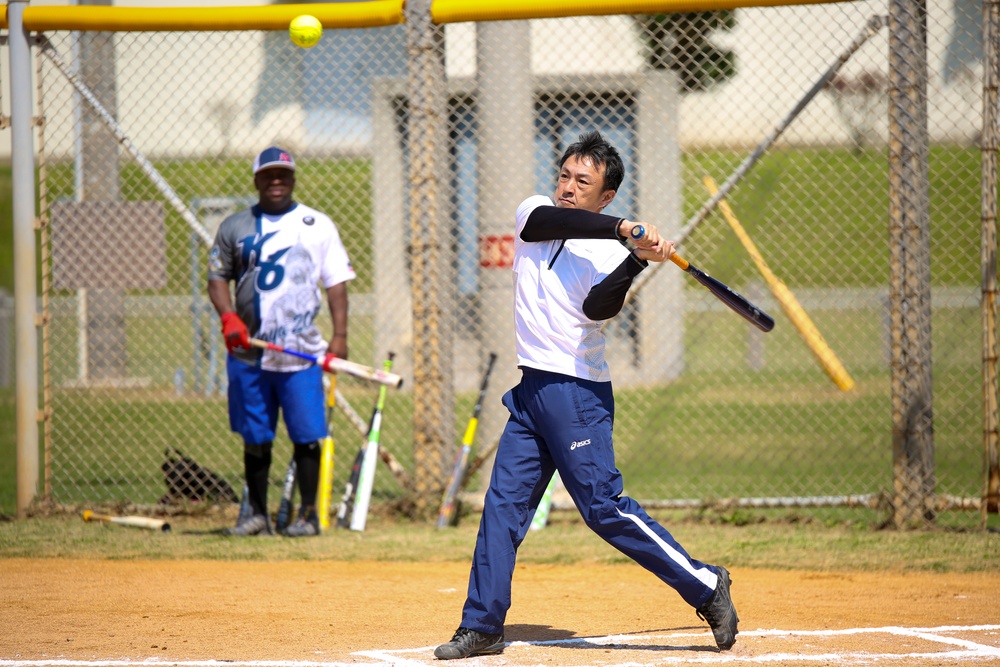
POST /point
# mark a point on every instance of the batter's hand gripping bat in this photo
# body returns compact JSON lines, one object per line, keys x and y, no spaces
{"x":723,"y":292}
{"x":135,"y":521}
{"x":334,"y":364}
{"x":366,"y":479}
{"x":447,"y":515}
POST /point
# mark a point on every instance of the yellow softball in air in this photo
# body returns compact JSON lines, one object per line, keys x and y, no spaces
{"x":305,"y":30}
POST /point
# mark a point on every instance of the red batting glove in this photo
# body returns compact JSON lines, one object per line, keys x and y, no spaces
{"x":327,"y":362}
{"x":235,"y":332}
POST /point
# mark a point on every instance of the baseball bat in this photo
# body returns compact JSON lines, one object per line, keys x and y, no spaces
{"x":796,"y":313}
{"x":872,"y":28}
{"x":739,"y":303}
{"x":326,"y":460}
{"x":447,"y":515}
{"x":366,"y":479}
{"x":333,"y":364}
{"x":286,"y":506}
{"x":135,"y":521}
{"x":541,"y":518}
{"x":245,"y":510}
{"x":395,"y":467}
{"x":346,"y":508}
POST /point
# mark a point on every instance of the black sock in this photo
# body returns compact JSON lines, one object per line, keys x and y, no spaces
{"x":257,"y":465}
{"x":307,"y":468}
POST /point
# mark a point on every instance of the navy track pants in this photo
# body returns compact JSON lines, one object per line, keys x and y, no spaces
{"x":562,"y":423}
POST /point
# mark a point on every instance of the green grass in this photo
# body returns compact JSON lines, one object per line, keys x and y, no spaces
{"x":701,"y":433}
{"x":823,"y":211}
{"x":786,"y":542}
{"x":834,"y":200}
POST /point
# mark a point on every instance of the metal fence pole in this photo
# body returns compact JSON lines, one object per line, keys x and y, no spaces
{"x":988,"y":304}
{"x":909,"y":289}
{"x":430,"y":273}
{"x":25,"y":287}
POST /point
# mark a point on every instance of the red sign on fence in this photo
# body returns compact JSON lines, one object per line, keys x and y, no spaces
{"x":496,"y":252}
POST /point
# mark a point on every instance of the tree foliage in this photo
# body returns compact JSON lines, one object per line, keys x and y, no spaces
{"x":682,"y":42}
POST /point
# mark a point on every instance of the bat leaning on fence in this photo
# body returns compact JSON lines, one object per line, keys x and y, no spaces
{"x":447,"y":515}
{"x":796,"y":313}
{"x":739,"y":303}
{"x":345,"y":511}
{"x":287,"y":506}
{"x":541,"y":517}
{"x":326,"y":454}
{"x":872,"y":28}
{"x":333,"y":364}
{"x":135,"y":521}
{"x":395,"y":467}
{"x":366,"y":478}
{"x":346,"y":508}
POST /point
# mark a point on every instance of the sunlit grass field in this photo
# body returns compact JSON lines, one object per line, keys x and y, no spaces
{"x":706,"y":426}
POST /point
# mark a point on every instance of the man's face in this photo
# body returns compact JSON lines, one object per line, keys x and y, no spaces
{"x":275,"y":185}
{"x":581,"y":185}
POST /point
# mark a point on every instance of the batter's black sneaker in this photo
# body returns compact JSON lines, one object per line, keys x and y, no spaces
{"x":467,"y":643}
{"x":720,"y":613}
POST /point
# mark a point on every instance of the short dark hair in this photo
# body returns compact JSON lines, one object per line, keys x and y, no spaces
{"x":595,"y":147}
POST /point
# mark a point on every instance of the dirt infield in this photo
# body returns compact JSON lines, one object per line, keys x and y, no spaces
{"x":179,"y":612}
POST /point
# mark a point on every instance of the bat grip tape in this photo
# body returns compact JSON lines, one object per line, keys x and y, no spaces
{"x":680,"y":261}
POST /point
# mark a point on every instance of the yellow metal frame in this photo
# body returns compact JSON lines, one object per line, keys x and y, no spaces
{"x":353,"y":14}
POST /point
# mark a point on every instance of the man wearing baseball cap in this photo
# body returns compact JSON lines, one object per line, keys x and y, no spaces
{"x":273,"y":157}
{"x":279,"y":254}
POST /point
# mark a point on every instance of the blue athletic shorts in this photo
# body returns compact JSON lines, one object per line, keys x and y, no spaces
{"x":255,"y":395}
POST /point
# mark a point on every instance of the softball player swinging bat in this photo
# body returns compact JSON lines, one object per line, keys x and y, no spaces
{"x":572,"y":271}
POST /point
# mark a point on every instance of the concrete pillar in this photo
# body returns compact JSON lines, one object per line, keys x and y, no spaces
{"x":393,"y":301}
{"x":506,"y":175}
{"x":661,"y":301}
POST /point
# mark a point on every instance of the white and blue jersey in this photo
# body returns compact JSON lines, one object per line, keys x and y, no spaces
{"x":551,"y":281}
{"x":278,"y":262}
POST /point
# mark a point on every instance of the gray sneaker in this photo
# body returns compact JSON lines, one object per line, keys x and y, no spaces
{"x":720,"y":613}
{"x":255,"y":525}
{"x":302,"y":528}
{"x":467,"y":643}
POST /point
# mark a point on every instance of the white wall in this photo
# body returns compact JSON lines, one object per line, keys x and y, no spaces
{"x":776,"y":66}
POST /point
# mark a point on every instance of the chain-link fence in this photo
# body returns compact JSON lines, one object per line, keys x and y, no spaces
{"x":709,"y":408}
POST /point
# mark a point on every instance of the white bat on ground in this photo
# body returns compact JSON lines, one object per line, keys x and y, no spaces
{"x":135,"y":521}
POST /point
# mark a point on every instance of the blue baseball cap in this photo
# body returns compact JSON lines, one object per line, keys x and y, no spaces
{"x":273,"y":157}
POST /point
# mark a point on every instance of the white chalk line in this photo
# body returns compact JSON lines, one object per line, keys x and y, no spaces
{"x":966,"y":650}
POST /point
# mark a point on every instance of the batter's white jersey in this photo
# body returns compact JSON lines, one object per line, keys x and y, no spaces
{"x":551,"y":280}
{"x":278,"y":262}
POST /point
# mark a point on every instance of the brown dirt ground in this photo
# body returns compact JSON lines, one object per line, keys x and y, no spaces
{"x":327,"y":612}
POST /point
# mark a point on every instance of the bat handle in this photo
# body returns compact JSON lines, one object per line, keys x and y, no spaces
{"x":326,"y":362}
{"x":256,"y":342}
{"x":680,"y":261}
{"x":639,"y":231}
